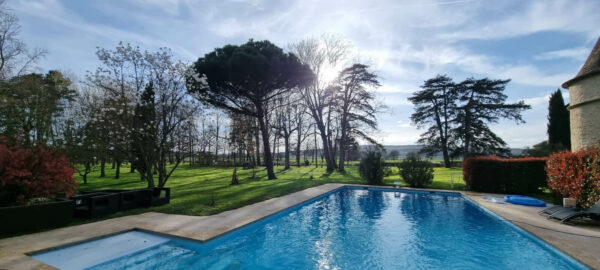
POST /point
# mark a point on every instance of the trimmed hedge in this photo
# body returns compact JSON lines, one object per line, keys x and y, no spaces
{"x":576,"y":175}
{"x":500,"y":175}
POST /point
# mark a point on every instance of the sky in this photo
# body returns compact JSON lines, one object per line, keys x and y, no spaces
{"x":537,"y":44}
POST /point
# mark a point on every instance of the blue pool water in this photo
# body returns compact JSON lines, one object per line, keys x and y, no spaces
{"x":353,"y":228}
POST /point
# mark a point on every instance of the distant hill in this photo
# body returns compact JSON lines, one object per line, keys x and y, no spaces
{"x":405,"y":149}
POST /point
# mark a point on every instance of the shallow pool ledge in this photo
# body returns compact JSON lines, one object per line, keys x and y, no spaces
{"x":579,"y":242}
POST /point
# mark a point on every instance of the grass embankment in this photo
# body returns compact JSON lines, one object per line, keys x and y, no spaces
{"x":193,"y":188}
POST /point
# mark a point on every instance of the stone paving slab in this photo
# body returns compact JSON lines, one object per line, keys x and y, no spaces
{"x":582,"y":243}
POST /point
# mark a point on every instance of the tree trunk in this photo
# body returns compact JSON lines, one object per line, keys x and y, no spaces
{"x":88,"y":169}
{"x":342,"y":147}
{"x":467,"y":134}
{"x":287,"y":152}
{"x":257,"y":139}
{"x":298,"y":150}
{"x":102,"y":168}
{"x":118,"y":169}
{"x":265,"y":135}
{"x":274,"y":152}
{"x":326,"y":148}
{"x":298,"y":142}
{"x":445,"y":154}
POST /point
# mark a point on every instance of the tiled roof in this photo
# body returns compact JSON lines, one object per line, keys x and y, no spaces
{"x":591,"y":66}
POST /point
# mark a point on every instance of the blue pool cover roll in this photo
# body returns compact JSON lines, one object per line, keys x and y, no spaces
{"x":524,"y":200}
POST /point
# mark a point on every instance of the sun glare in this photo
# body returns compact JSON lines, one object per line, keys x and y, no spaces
{"x":328,"y":74}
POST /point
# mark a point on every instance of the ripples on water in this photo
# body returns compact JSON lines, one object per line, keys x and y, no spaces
{"x":362,"y":229}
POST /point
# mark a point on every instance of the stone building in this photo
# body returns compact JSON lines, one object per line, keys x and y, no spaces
{"x":584,"y":98}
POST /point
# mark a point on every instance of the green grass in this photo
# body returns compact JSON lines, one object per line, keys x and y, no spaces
{"x":442,"y":178}
{"x":192,"y":188}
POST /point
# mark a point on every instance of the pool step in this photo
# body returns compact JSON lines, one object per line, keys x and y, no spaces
{"x":159,"y":257}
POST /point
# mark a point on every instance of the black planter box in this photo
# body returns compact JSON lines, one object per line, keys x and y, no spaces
{"x":14,"y":219}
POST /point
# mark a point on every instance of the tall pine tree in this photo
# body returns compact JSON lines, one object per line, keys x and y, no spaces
{"x":559,"y":133}
{"x":482,"y":102}
{"x":435,"y":108}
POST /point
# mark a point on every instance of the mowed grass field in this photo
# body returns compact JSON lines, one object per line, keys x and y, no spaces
{"x":207,"y":190}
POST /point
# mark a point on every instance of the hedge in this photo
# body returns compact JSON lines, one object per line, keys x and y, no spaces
{"x":500,"y":175}
{"x":576,"y":175}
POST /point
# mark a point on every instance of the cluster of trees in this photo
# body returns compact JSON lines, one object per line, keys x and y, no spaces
{"x":236,"y":105}
{"x":457,"y":115}
{"x":273,"y":94}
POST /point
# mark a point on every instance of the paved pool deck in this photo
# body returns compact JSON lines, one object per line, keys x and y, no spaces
{"x":581,"y":242}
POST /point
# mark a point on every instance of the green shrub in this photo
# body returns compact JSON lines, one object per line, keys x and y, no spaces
{"x":416,"y":172}
{"x":371,"y":168}
{"x":388,"y":171}
{"x":576,"y":175}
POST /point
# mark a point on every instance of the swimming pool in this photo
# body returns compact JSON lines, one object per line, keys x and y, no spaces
{"x":352,"y":228}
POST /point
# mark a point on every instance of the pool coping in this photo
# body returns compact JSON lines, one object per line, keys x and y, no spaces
{"x":14,"y":251}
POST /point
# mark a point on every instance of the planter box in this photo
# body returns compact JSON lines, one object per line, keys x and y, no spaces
{"x":156,"y":196}
{"x":16,"y":219}
{"x":569,"y":202}
{"x":92,"y":205}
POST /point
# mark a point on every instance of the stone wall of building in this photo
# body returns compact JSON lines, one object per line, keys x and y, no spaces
{"x":584,"y":107}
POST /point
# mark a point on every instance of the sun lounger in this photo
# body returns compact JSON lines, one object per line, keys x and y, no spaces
{"x":550,"y":210}
{"x":567,"y":214}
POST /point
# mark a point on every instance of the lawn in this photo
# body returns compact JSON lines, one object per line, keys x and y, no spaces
{"x":206,"y":190}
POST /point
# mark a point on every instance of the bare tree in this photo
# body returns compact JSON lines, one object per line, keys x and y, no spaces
{"x":15,"y":58}
{"x":323,"y":56}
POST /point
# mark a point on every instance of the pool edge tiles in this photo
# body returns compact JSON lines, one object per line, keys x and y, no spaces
{"x":92,"y":252}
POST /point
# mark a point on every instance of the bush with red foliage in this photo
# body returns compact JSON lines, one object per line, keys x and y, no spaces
{"x":501,"y":175}
{"x":576,"y":175}
{"x":27,"y":173}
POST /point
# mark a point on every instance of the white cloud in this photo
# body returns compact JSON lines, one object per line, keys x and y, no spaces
{"x":560,"y":15}
{"x":578,"y":53}
{"x":537,"y":101}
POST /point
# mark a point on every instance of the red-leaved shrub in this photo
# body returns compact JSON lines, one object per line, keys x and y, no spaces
{"x":27,"y":173}
{"x":502,"y":175}
{"x":576,"y":175}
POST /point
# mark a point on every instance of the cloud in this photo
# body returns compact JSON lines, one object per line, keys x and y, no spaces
{"x":536,"y":16}
{"x":578,"y":53}
{"x":537,"y":101}
{"x":407,"y":42}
